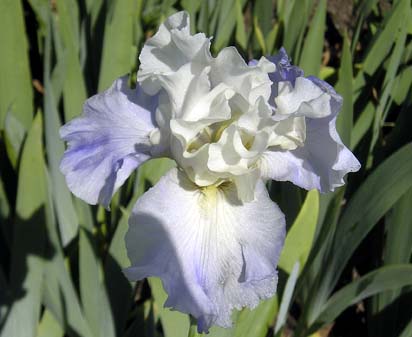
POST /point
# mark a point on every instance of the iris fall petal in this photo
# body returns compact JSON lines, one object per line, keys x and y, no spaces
{"x":212,"y":252}
{"x":108,"y":141}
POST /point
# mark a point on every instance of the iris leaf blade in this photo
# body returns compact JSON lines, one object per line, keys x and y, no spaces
{"x":407,"y":331}
{"x":386,"y":184}
{"x":287,"y":297}
{"x":241,"y":37}
{"x":93,"y":292}
{"x":257,"y":321}
{"x":402,"y":85}
{"x":117,"y":52}
{"x":388,"y":83}
{"x":14,"y":134}
{"x":384,"y":278}
{"x":74,"y":89}
{"x":344,"y":87}
{"x":29,"y":240}
{"x":226,"y":24}
{"x":16,"y":92}
{"x":49,"y":327}
{"x":264,"y":11}
{"x":311,"y":57}
{"x":383,"y":40}
{"x":362,"y":124}
{"x":300,"y":237}
{"x":63,"y":202}
{"x":398,"y":249}
{"x":59,"y":294}
{"x":293,"y":28}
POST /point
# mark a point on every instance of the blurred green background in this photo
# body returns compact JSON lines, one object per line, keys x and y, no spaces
{"x":61,"y":260}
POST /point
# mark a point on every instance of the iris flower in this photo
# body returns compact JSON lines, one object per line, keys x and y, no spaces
{"x":208,"y":228}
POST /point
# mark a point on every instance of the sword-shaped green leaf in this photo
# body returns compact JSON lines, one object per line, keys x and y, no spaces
{"x":28,"y":250}
{"x":311,"y":57}
{"x":16,"y":92}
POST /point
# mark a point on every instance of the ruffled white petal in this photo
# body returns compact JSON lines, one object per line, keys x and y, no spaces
{"x":249,"y":81}
{"x":212,"y":252}
{"x":108,"y":141}
{"x":288,"y":134}
{"x":201,"y":97}
{"x":304,"y":98}
{"x":305,"y":147}
{"x":169,"y":49}
{"x":320,"y":164}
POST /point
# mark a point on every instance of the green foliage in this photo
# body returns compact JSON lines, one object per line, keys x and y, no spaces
{"x":311,"y":57}
{"x":61,"y":260}
{"x":174,"y":323}
{"x":300,"y":236}
{"x":118,"y":52}
{"x":16,"y":94}
{"x":29,"y":239}
{"x":65,"y":212}
{"x":344,"y":123}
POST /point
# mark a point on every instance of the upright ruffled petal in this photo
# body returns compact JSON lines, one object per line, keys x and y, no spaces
{"x":169,"y":49}
{"x":108,"y":141}
{"x":285,"y":71}
{"x":322,"y":161}
{"x":249,"y":81}
{"x":305,"y":98}
{"x":212,"y":252}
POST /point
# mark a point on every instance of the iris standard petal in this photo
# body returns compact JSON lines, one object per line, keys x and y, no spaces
{"x":305,"y":98}
{"x":249,"y":81}
{"x":321,"y":163}
{"x":212,"y":252}
{"x":322,"y":160}
{"x":285,"y":71}
{"x":169,"y":49}
{"x":108,"y":141}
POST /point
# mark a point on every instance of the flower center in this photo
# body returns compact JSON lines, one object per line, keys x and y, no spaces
{"x":247,"y":139}
{"x":211,"y":193}
{"x":210,"y":134}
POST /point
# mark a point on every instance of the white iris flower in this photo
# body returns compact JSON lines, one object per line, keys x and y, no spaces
{"x":208,"y":228}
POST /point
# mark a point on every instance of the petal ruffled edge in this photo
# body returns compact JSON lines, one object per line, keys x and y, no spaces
{"x":212,"y":252}
{"x":320,"y":164}
{"x":169,"y":49}
{"x":108,"y":141}
{"x":323,"y":160}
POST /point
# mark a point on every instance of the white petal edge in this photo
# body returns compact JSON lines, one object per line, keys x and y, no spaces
{"x":305,"y":98}
{"x":169,"y":49}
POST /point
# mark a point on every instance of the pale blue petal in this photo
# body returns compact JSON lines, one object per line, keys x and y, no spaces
{"x":320,"y":164}
{"x":108,"y":141}
{"x":284,"y":72}
{"x":323,"y":161}
{"x":212,"y":252}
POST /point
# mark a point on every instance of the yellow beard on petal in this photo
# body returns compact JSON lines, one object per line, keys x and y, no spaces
{"x":212,"y":194}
